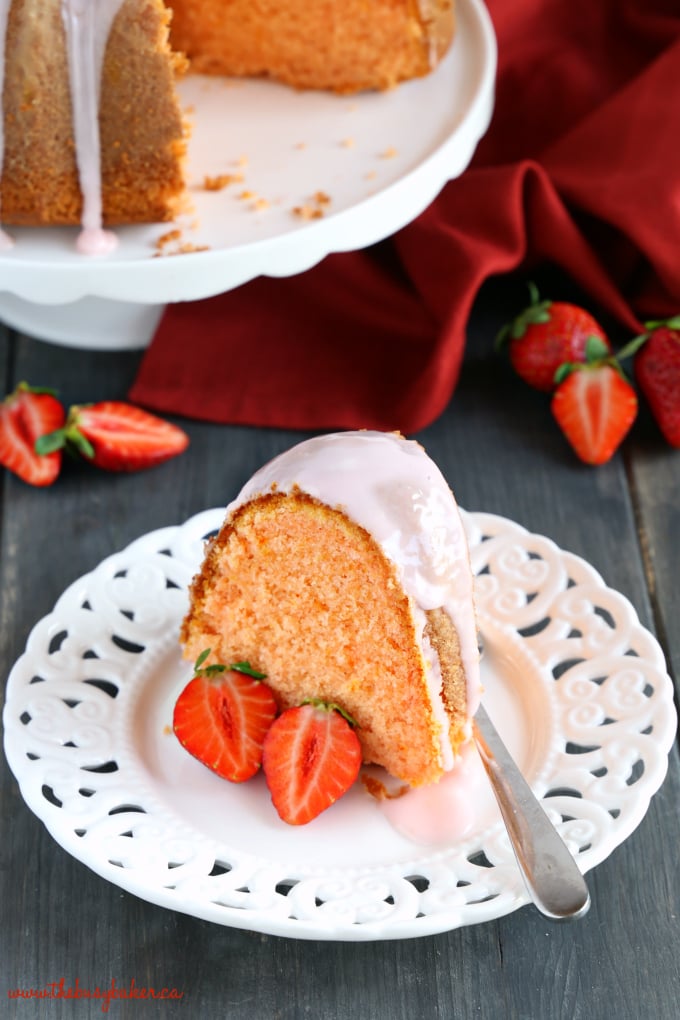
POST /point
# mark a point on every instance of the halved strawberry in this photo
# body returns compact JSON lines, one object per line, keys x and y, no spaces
{"x":544,"y":336}
{"x":117,"y":436}
{"x":594,"y":405}
{"x":311,"y":758}
{"x":222,"y":715}
{"x":25,"y":416}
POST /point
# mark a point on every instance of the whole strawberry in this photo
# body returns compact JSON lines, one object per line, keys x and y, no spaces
{"x":594,"y":404}
{"x":222,"y":716}
{"x":657,"y":370}
{"x":25,"y":416}
{"x":544,"y":336}
{"x":117,"y":436}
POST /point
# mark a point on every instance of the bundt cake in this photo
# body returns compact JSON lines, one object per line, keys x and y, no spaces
{"x":341,"y":572}
{"x":91,"y":131}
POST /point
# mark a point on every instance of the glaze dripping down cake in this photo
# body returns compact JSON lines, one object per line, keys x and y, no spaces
{"x":342,"y":572}
{"x":91,"y":130}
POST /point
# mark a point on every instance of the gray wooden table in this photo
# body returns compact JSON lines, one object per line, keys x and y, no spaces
{"x":501,"y":452}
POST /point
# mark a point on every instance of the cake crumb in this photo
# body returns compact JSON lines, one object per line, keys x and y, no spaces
{"x":189,"y":249}
{"x":314,"y":209}
{"x":347,"y":143}
{"x":221,"y":181}
{"x":300,"y":145}
{"x":307,"y":212}
{"x":389,"y":153}
{"x":370,"y":176}
{"x":167,"y":729}
{"x":180,"y":247}
{"x":385,"y":788}
{"x":168,"y":238}
{"x":255,"y":202}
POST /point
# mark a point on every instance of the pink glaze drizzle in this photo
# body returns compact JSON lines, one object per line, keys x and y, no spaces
{"x":87,"y":24}
{"x":445,"y":812}
{"x":391,"y":487}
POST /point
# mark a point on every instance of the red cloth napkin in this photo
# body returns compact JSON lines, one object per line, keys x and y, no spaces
{"x":579,"y":168}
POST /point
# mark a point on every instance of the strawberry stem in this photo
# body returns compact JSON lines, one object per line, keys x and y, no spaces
{"x":69,"y":437}
{"x":595,"y":349}
{"x":596,"y":354}
{"x":672,"y":323}
{"x":245,"y":667}
{"x":535,"y":312}
{"x":49,"y":443}
{"x":202,"y":657}
{"x":330,"y":706}
{"x":218,"y":667}
{"x":24,"y":387}
{"x":634,"y":345}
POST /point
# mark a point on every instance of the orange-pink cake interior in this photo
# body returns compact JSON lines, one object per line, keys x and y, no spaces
{"x":343,"y":45}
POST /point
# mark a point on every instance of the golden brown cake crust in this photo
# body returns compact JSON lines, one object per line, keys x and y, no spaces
{"x":307,"y":596}
{"x":342,"y":45}
{"x":444,"y":639}
{"x":142,"y":133}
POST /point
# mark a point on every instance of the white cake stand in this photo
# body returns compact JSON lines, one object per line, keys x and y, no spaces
{"x":311,"y":174}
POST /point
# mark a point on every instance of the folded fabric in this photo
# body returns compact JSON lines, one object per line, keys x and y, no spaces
{"x":578,"y":169}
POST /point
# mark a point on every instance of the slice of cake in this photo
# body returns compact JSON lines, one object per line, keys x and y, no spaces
{"x":342,"y":45}
{"x":342,"y":573}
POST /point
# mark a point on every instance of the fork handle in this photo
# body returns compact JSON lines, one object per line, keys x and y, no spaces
{"x":550,"y":872}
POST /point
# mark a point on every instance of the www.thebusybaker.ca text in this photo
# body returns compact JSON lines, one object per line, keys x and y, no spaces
{"x":60,"y":990}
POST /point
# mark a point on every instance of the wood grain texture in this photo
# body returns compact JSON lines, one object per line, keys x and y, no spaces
{"x":501,"y":452}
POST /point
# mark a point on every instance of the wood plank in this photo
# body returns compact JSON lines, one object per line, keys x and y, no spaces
{"x":501,"y":452}
{"x":654,"y":469}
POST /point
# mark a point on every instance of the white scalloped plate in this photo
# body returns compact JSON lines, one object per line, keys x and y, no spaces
{"x":381,"y":158}
{"x":578,"y":688}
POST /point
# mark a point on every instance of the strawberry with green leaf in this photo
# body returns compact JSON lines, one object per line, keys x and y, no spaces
{"x":594,"y":404}
{"x":657,"y":371}
{"x":117,"y":436}
{"x":544,"y":336}
{"x":311,"y":757}
{"x":222,"y":716}
{"x":26,"y":415}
